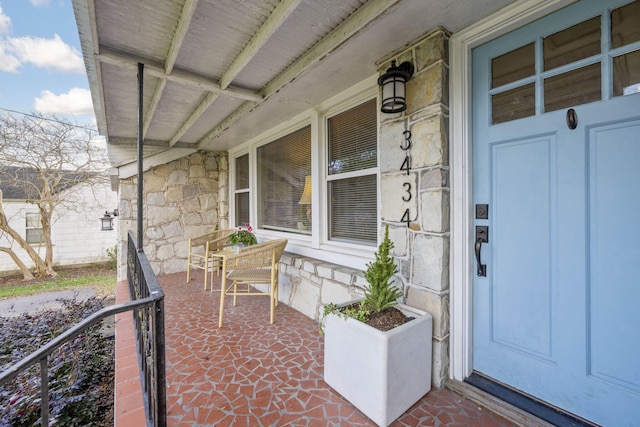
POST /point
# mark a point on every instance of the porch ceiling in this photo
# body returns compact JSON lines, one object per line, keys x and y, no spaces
{"x":219,"y":72}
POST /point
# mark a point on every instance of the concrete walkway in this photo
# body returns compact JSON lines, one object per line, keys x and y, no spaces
{"x":12,"y":307}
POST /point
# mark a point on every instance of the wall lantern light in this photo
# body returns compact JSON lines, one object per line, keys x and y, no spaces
{"x":107,"y":220}
{"x":394,"y":99}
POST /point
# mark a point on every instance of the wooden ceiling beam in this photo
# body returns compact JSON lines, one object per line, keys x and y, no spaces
{"x":268,"y":28}
{"x":368,"y":13}
{"x":204,"y":105}
{"x":179,"y":35}
{"x":264,"y":33}
{"x":153,"y":68}
{"x":132,"y":141}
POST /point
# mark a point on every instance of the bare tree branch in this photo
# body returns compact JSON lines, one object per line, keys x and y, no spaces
{"x":41,"y":158}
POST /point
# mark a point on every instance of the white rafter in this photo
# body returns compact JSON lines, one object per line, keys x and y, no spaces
{"x":270,"y":26}
{"x":188,"y":78}
{"x":174,"y":48}
{"x":368,"y":13}
{"x":204,"y":105}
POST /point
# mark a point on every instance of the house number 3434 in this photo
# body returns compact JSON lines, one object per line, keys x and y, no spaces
{"x":406,"y":166}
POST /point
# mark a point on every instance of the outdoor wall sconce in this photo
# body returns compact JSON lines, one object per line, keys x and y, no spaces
{"x":107,"y":220}
{"x":394,"y":99}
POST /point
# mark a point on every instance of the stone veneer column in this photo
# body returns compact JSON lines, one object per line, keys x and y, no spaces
{"x":422,"y":249}
{"x":184,"y":198}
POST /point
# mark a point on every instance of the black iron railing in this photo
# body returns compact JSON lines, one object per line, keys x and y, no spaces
{"x":148,"y":322}
{"x":147,"y":302}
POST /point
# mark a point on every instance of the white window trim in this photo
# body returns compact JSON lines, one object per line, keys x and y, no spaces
{"x":317,"y":245}
{"x":232,"y":185}
{"x":507,"y":19}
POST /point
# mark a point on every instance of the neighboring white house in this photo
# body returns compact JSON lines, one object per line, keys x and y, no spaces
{"x":76,"y":229}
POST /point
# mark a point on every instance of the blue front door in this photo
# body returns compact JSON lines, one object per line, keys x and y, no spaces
{"x":556,"y":130}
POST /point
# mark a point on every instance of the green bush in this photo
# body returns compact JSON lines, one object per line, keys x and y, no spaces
{"x":112,"y":253}
{"x":380,"y":294}
{"x":81,"y":372}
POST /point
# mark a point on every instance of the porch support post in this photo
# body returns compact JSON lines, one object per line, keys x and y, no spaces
{"x":140,"y":152}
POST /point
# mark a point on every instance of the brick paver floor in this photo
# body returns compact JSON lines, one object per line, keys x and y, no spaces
{"x":250,"y":373}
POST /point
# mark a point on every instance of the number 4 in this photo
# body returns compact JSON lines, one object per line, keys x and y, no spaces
{"x":405,"y":217}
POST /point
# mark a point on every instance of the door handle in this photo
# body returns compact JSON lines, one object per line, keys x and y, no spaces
{"x":482,"y":268}
{"x":482,"y":236}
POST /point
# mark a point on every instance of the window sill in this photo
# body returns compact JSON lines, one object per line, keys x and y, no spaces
{"x":345,"y":254}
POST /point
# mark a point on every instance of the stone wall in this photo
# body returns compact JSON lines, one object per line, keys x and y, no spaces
{"x":308,"y":284}
{"x":422,"y":245}
{"x":184,"y":198}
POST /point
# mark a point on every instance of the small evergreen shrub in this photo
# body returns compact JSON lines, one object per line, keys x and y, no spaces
{"x":381,"y":294}
{"x":81,"y":372}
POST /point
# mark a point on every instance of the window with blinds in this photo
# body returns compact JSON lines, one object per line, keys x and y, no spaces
{"x":34,"y":233}
{"x":283,"y":168}
{"x":352,"y":179}
{"x":242,"y":190}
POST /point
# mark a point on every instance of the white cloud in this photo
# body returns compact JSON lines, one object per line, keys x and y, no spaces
{"x":40,"y":2}
{"x":46,"y":53}
{"x":77,"y":102}
{"x":5,"y":22}
{"x":8,"y":62}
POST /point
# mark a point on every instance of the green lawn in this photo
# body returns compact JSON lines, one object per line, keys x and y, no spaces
{"x":104,"y":282}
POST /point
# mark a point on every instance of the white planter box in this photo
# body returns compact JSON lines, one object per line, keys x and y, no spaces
{"x":381,"y":373}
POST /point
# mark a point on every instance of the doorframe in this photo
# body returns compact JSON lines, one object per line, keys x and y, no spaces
{"x":461,"y":259}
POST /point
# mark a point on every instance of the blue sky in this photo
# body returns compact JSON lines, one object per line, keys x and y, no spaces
{"x":41,"y":67}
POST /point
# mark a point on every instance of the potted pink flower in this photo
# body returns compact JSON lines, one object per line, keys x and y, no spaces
{"x":243,"y":237}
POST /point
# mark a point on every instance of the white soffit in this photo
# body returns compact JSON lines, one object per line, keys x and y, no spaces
{"x":219,"y":72}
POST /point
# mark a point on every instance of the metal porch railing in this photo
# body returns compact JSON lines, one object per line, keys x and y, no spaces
{"x":147,"y":302}
{"x":148,"y":322}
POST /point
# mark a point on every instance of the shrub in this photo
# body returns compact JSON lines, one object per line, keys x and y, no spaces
{"x":112,"y":253}
{"x":81,"y":372}
{"x":380,"y":294}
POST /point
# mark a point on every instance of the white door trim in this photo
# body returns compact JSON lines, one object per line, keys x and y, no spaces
{"x":461,"y":261}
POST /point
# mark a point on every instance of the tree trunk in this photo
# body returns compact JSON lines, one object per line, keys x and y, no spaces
{"x":46,"y":212}
{"x":26,"y":273}
{"x":40,"y":265}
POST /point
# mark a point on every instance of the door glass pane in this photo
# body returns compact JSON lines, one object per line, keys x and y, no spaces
{"x":626,"y":74}
{"x":513,"y":66}
{"x":513,"y":104}
{"x":625,"y":24}
{"x":570,"y":45}
{"x":572,"y":88}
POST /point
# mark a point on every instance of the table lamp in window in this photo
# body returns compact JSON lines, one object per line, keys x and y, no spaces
{"x":305,"y":199}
